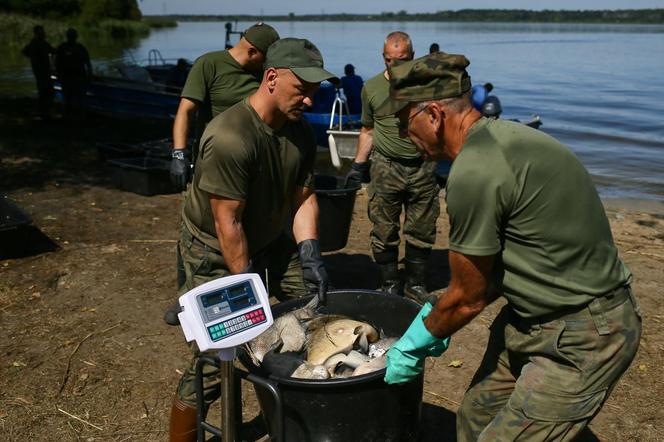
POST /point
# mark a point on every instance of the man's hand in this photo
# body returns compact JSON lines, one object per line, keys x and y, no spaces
{"x":405,"y":360}
{"x":180,"y":170}
{"x":358,"y":174}
{"x":313,"y":269}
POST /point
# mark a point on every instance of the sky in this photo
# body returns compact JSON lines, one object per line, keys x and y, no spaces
{"x":283,"y":7}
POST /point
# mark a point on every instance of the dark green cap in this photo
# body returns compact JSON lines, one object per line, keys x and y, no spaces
{"x":300,"y":56}
{"x":432,"y":77}
{"x":261,"y":36}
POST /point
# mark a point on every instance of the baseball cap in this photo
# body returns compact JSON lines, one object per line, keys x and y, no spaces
{"x":432,"y":77}
{"x":302,"y":57}
{"x":261,"y":36}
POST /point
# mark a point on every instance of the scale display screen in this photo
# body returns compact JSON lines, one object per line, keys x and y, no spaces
{"x":221,"y":302}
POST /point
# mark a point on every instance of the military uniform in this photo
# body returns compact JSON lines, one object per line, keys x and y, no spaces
{"x":399,"y":177}
{"x":571,"y":326}
{"x":243,"y":159}
{"x":217,"y":81}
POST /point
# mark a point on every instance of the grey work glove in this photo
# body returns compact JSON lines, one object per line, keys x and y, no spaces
{"x":358,"y":174}
{"x":313,"y":269}
{"x":180,"y":173}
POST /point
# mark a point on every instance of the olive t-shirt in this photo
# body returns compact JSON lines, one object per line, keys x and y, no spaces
{"x":243,"y":159}
{"x":519,"y":193}
{"x":385,"y":130}
{"x":218,"y":82}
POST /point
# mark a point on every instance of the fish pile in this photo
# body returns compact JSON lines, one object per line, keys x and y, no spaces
{"x":305,"y":345}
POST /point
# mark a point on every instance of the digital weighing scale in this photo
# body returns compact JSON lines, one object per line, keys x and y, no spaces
{"x":220,"y":315}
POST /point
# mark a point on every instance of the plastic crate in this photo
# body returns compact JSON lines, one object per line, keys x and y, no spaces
{"x":145,"y":176}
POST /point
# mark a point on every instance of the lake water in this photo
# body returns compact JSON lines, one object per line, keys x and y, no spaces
{"x":597,"y":88}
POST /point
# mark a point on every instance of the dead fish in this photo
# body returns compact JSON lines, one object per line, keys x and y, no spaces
{"x":380,"y":347}
{"x":353,"y":359}
{"x":310,"y":371}
{"x":371,"y":366}
{"x":286,"y":334}
{"x":338,"y":336}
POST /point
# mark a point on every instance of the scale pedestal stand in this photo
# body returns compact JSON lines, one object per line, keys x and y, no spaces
{"x":227,"y":374}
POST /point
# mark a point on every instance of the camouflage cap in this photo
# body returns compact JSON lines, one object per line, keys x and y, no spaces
{"x":261,"y":36}
{"x":300,"y":56}
{"x":432,"y":77}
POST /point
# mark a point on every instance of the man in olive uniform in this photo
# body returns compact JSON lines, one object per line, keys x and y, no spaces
{"x":526,"y":223}
{"x":39,"y":52}
{"x":217,"y":81}
{"x":399,"y":178}
{"x":254,"y":176}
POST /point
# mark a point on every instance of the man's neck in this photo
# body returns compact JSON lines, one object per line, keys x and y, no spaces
{"x":262,"y":105}
{"x":238,"y":55}
{"x":461,"y":125}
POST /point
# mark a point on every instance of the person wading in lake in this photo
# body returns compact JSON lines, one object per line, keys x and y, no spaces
{"x":399,"y":178}
{"x":254,"y":176}
{"x":39,"y":52}
{"x":217,"y":81}
{"x":526,"y":223}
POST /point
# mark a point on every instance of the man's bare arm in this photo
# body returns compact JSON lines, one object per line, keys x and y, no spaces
{"x":228,"y":225}
{"x":305,"y":222}
{"x":185,"y":114}
{"x":467,"y":295}
{"x":364,"y":145}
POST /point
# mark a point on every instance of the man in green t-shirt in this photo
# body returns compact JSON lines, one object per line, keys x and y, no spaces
{"x":399,"y":179}
{"x":526,"y":223}
{"x":217,"y":81}
{"x":254,"y":177}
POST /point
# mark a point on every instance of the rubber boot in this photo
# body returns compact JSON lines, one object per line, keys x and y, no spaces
{"x":415,"y":288}
{"x":183,"y":422}
{"x":389,"y":278}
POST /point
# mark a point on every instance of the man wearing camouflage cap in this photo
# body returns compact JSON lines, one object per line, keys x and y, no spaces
{"x":217,"y":81}
{"x":400,"y":180}
{"x":526,"y":223}
{"x":253,"y":178}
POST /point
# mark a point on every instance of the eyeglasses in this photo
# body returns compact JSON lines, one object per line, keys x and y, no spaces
{"x":404,"y":125}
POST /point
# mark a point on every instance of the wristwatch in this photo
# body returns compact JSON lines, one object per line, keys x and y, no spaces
{"x":178,"y":154}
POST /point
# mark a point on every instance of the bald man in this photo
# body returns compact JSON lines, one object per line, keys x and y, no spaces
{"x":400,"y":179}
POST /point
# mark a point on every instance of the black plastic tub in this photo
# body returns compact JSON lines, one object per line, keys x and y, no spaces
{"x":335,"y":203}
{"x":360,"y":408}
{"x":145,"y":176}
{"x":112,"y":151}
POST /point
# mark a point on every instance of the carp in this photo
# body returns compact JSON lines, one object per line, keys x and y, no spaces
{"x":380,"y":347}
{"x":338,"y":335}
{"x":371,"y":366}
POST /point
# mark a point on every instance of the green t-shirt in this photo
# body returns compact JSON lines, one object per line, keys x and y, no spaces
{"x":217,"y":81}
{"x":519,"y":193}
{"x":243,"y":159}
{"x":385,"y":130}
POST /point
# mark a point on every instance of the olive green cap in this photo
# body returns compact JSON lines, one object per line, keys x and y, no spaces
{"x":300,"y":56}
{"x":432,"y":77}
{"x":261,"y":36}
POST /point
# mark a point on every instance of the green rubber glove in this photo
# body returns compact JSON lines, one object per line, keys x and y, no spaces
{"x":405,"y":360}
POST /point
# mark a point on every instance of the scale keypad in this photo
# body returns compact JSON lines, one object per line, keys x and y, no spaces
{"x":237,"y":324}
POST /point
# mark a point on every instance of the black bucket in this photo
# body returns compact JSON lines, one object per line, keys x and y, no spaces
{"x":335,"y":203}
{"x":360,"y":408}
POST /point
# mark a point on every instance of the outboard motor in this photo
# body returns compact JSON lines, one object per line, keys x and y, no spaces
{"x":491,"y":107}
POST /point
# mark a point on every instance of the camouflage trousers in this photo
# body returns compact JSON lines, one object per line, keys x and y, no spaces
{"x":410,"y":184}
{"x":280,"y":269}
{"x":545,"y":381}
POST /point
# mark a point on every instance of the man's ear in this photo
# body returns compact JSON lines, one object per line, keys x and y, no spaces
{"x":271,"y":75}
{"x":436,"y":116}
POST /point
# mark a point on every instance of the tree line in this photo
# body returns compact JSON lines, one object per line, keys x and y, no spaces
{"x":641,"y":16}
{"x":84,"y":10}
